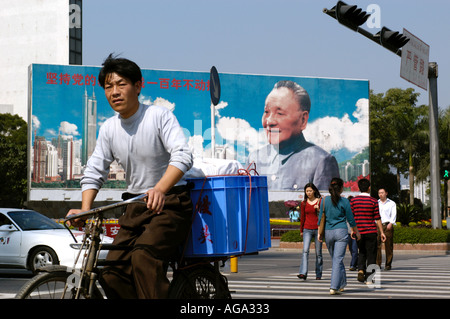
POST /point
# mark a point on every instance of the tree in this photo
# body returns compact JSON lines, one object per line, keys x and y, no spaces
{"x":13,"y":160}
{"x":423,"y":165}
{"x":398,"y":131}
{"x":380,"y":146}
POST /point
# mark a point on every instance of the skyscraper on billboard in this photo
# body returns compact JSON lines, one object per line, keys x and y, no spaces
{"x":89,"y":126}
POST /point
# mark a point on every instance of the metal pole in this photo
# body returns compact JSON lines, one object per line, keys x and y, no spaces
{"x":435,"y":184}
{"x":213,"y":131}
{"x":233,"y":264}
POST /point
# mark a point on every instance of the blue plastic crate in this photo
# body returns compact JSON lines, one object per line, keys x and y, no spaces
{"x":220,"y":225}
{"x":258,"y":232}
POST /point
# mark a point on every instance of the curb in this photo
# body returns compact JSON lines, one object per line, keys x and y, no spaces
{"x":409,"y":248}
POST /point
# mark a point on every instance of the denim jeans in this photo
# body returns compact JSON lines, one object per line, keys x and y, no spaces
{"x":353,"y":248}
{"x":308,"y":235}
{"x":337,"y":240}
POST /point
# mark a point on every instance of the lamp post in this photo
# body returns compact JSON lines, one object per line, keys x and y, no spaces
{"x":353,"y":17}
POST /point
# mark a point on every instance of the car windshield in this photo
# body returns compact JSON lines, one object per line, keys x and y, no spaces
{"x":31,"y":220}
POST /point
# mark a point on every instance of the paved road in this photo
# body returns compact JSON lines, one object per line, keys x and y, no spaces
{"x":272,"y":274}
{"x":11,"y":280}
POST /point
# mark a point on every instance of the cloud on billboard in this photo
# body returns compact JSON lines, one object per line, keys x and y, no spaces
{"x":333,"y":133}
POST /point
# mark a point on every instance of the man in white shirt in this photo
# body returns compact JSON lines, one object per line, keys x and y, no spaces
{"x":388,"y":213}
{"x":150,"y":145}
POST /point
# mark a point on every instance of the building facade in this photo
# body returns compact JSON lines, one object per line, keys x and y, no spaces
{"x":48,"y":31}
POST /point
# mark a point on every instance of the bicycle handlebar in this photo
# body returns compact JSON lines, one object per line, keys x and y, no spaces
{"x":106,"y":207}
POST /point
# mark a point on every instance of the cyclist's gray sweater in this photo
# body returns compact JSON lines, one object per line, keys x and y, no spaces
{"x":144,"y":144}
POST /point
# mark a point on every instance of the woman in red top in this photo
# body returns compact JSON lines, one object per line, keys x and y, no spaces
{"x":309,"y":209}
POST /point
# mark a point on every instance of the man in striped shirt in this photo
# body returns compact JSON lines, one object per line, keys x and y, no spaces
{"x":367,"y":218}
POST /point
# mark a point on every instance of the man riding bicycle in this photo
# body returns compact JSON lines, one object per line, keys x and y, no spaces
{"x":150,"y":145}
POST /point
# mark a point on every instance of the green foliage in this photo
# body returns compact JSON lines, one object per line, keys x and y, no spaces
{"x":292,"y":236}
{"x":398,"y":135}
{"x":406,"y":213}
{"x":13,"y":129}
{"x":13,"y":160}
{"x":413,"y":235}
{"x":399,"y":139}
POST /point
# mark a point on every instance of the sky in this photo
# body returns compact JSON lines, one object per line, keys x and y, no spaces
{"x":266,"y":37}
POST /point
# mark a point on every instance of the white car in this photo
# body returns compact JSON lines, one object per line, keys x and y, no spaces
{"x":31,"y":240}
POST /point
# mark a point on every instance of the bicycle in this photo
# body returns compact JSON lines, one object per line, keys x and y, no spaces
{"x":192,"y":278}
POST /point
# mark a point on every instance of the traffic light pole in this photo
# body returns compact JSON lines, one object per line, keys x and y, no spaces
{"x":353,"y":17}
{"x":374,"y":37}
{"x":435,"y":182}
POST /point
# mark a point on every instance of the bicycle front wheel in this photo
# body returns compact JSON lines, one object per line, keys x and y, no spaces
{"x":52,"y":285}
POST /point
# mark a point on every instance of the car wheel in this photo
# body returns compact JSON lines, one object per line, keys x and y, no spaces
{"x":41,"y":257}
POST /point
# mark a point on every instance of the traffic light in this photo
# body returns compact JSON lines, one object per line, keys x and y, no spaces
{"x":353,"y":17}
{"x":445,"y":163}
{"x":392,"y":40}
{"x":349,"y":15}
{"x":445,"y":169}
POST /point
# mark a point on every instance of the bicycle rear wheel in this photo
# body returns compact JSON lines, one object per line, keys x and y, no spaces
{"x":203,"y":282}
{"x":51,"y":284}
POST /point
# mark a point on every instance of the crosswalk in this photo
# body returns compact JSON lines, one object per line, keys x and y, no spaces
{"x":425,"y":278}
{"x":273,"y":276}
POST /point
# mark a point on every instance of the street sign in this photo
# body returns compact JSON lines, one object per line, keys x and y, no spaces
{"x":414,"y":64}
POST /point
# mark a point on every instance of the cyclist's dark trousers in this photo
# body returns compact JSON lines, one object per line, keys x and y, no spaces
{"x":156,"y":238}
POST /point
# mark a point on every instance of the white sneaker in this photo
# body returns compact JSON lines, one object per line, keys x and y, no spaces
{"x":334,"y":292}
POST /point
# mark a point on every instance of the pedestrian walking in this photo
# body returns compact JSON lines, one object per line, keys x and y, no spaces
{"x":367,"y":218}
{"x":388,"y":214}
{"x":337,"y":212}
{"x":309,"y":209}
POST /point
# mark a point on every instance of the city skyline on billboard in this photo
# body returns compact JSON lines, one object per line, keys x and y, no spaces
{"x":62,"y":97}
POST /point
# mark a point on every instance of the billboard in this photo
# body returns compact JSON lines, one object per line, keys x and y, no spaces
{"x":67,"y":106}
